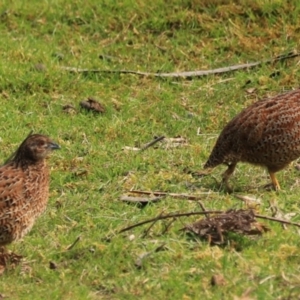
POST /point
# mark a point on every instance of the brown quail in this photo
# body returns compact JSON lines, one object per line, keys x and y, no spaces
{"x":24,"y":187}
{"x":267,"y":133}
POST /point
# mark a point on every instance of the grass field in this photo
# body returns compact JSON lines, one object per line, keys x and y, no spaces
{"x":92,"y":170}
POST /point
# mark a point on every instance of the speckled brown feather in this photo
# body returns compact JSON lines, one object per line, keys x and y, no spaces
{"x":24,"y":187}
{"x":267,"y":133}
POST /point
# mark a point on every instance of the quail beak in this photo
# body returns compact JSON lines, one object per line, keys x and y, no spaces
{"x":54,"y":146}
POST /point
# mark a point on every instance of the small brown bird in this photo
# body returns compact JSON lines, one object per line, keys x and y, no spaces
{"x":24,"y":187}
{"x":267,"y":133}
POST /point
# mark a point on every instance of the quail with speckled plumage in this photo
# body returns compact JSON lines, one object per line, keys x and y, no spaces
{"x":267,"y":133}
{"x":24,"y":187}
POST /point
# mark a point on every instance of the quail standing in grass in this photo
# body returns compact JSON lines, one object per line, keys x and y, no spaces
{"x":267,"y":133}
{"x":24,"y":187}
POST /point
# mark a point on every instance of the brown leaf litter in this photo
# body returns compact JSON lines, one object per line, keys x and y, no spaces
{"x":93,"y":105}
{"x":217,"y":227}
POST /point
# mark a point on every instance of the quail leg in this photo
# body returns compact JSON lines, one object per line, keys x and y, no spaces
{"x":274,"y":181}
{"x":227,"y":174}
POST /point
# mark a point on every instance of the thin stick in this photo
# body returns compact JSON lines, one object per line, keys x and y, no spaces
{"x":277,"y":220}
{"x":74,"y":243}
{"x":203,"y":209}
{"x":154,"y":222}
{"x":172,"y":215}
{"x":176,"y":215}
{"x":152,"y":143}
{"x":188,"y":74}
{"x":168,"y":226}
{"x":174,"y":195}
{"x":140,"y":199}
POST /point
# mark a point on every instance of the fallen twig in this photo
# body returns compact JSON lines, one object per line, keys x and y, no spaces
{"x":167,"y":226}
{"x":187,"y":74}
{"x":174,"y":195}
{"x":217,"y":228}
{"x":172,"y":215}
{"x":187,"y":214}
{"x":74,"y":243}
{"x":203,"y":209}
{"x":277,"y":220}
{"x":126,"y":198}
{"x":151,"y":225}
{"x":152,"y":143}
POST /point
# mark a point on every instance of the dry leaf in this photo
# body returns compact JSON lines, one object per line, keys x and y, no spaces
{"x":117,"y":104}
{"x":174,"y":142}
{"x":39,"y":67}
{"x":250,"y":201}
{"x":289,"y":216}
{"x":217,"y":280}
{"x":93,"y":105}
{"x":250,"y":90}
{"x":131,"y":148}
{"x":52,"y":265}
{"x":69,"y":109}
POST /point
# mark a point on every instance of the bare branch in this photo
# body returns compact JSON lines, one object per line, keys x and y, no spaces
{"x":172,"y":215}
{"x":153,"y":223}
{"x":74,"y":243}
{"x":174,"y":195}
{"x":203,"y":209}
{"x":152,"y":143}
{"x":145,"y":200}
{"x":277,"y":220}
{"x":187,"y":214}
{"x":187,"y":74}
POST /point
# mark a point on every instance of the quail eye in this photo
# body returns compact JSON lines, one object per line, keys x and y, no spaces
{"x":38,"y":144}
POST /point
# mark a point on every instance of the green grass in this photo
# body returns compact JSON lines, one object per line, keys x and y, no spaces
{"x":154,"y":37}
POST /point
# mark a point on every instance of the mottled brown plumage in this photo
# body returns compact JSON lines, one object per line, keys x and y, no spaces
{"x":24,"y":187}
{"x":266,"y":133}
